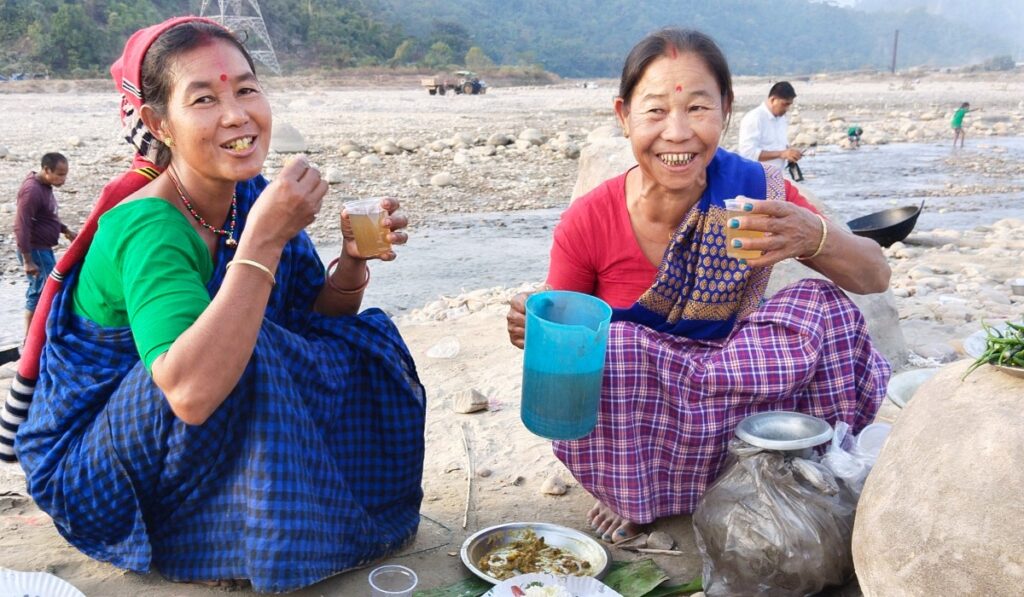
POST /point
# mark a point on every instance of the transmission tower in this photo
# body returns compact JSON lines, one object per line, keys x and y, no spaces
{"x":257,"y":40}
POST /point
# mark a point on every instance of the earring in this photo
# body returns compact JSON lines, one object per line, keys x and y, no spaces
{"x":169,"y":141}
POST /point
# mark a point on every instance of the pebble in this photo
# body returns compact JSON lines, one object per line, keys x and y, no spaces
{"x":553,"y":486}
{"x":468,"y":401}
{"x":660,"y":540}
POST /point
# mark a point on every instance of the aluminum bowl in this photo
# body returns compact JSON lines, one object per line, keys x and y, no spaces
{"x":784,"y":431}
{"x":579,"y":544}
{"x":903,"y":385}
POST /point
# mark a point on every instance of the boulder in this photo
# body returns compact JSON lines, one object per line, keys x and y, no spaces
{"x":941,"y":512}
{"x":602,"y":159}
{"x":285,"y":138}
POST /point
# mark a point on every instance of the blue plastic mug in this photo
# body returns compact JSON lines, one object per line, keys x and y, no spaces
{"x":563,"y":364}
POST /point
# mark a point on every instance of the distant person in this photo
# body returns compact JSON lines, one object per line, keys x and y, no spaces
{"x":763,"y":131}
{"x":37,"y":227}
{"x":958,"y":122}
{"x":853,"y":134}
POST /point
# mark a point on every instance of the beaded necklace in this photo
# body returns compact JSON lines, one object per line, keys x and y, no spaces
{"x":228,"y":232}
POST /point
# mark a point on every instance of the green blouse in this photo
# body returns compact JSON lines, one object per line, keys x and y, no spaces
{"x":147,"y":268}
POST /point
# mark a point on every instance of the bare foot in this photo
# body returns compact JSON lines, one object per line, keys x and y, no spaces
{"x":610,"y":526}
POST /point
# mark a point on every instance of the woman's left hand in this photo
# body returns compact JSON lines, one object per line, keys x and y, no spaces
{"x":793,"y":231}
{"x":393,"y":223}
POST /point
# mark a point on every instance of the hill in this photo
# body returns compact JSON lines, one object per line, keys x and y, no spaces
{"x":584,"y":38}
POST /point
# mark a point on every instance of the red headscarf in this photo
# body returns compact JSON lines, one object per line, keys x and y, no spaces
{"x":127,"y":74}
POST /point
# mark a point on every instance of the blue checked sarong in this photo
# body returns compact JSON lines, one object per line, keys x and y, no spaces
{"x":698,"y":353}
{"x":310,"y":467}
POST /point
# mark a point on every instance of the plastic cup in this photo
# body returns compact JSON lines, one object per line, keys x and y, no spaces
{"x":367,"y":216}
{"x":392,"y":581}
{"x":734,"y":209}
{"x":563,"y":363}
{"x":871,"y":439}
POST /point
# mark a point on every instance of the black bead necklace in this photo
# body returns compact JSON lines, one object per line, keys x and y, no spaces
{"x":228,"y":232}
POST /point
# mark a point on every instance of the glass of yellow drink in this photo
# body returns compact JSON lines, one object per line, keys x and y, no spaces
{"x":367,"y":217}
{"x":734,"y":209}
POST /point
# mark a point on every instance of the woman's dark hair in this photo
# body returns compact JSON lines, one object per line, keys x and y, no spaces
{"x":661,"y":43}
{"x":156,"y":72}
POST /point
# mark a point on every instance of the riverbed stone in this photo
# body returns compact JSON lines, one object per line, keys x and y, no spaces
{"x":941,"y":512}
{"x":285,"y":138}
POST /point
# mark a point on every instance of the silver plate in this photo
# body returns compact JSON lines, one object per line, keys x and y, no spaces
{"x":579,"y":544}
{"x":903,"y":385}
{"x":784,"y":431}
{"x":975,"y":346}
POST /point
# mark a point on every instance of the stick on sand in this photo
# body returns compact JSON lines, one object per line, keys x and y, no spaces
{"x":469,"y":476}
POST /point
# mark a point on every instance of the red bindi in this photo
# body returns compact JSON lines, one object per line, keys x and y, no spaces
{"x":679,"y":88}
{"x":223,"y":77}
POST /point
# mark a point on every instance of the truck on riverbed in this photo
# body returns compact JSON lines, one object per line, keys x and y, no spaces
{"x":467,"y":82}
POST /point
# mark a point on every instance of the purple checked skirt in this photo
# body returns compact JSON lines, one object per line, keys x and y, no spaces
{"x":669,"y":405}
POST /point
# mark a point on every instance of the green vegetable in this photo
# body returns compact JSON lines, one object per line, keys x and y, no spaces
{"x":1002,"y":347}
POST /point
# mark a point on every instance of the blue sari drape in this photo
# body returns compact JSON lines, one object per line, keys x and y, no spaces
{"x":699,"y":292}
{"x":311,"y":466}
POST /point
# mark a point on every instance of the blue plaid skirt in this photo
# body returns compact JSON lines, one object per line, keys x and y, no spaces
{"x":312,"y":465}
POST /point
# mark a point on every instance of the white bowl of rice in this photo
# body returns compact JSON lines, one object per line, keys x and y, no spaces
{"x":538,"y":584}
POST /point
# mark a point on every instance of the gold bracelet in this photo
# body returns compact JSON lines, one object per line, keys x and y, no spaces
{"x":821,"y":245}
{"x":257,"y":265}
{"x":338,"y":289}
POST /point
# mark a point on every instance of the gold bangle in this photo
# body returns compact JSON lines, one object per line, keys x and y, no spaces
{"x":335,"y":288}
{"x":256,"y":264}
{"x":821,"y":244}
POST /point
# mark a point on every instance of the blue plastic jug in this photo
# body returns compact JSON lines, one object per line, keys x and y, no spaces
{"x":566,"y":340}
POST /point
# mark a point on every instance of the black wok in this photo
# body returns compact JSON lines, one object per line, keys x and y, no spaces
{"x":887,"y":226}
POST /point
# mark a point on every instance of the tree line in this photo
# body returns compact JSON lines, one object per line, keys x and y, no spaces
{"x":583,"y":38}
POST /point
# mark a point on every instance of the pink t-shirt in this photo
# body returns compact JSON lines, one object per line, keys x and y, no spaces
{"x":595,"y":251}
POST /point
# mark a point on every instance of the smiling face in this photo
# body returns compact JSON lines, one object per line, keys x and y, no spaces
{"x":217,"y":116}
{"x":674,"y":121}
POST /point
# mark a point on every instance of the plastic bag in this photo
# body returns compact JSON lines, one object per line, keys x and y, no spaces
{"x":774,"y":524}
{"x":847,"y":461}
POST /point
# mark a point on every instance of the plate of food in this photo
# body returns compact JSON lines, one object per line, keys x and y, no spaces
{"x":1001,"y":346}
{"x":501,"y":552}
{"x":551,"y":585}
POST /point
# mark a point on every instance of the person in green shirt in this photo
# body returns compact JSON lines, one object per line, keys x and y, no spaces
{"x":958,"y":122}
{"x":853,"y":133}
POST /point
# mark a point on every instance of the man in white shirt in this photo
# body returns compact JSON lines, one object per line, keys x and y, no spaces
{"x":763,"y":130}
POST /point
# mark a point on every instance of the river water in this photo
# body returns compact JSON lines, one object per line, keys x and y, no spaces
{"x":453,"y":253}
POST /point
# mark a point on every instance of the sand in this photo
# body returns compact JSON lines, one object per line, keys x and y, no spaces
{"x":510,"y":464}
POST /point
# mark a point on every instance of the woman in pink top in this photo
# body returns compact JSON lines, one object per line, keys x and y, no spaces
{"x":694,"y":347}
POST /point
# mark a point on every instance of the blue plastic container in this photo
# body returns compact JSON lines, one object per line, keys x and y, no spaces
{"x":566,"y":341}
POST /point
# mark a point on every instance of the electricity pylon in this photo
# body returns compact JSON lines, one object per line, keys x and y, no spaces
{"x":256,"y":37}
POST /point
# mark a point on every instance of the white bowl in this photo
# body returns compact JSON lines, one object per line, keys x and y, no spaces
{"x":1017,"y":286}
{"x":903,"y":385}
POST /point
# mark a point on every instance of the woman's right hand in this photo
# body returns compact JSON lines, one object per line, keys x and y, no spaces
{"x":517,"y":316}
{"x":289,"y":203}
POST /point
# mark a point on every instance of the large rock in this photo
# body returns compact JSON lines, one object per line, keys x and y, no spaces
{"x":941,"y":513}
{"x":285,"y":138}
{"x":608,"y":157}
